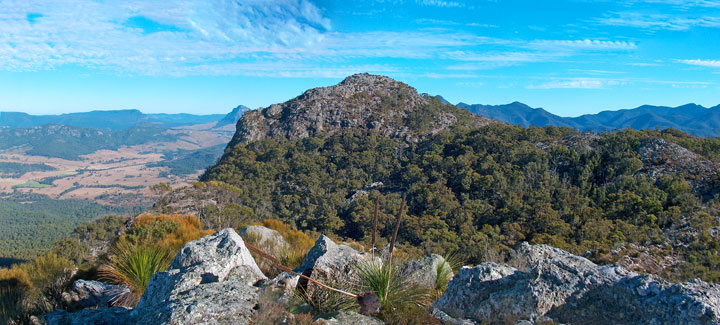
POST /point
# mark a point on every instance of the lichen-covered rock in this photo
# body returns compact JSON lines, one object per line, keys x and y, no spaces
{"x":424,"y":272}
{"x":349,"y":318}
{"x":271,"y":241}
{"x":94,"y":294}
{"x":326,"y":262}
{"x":332,"y":263}
{"x":114,"y":315}
{"x":210,"y":281}
{"x":552,"y":283}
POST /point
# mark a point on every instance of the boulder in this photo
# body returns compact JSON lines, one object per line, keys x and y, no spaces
{"x":551,"y":284}
{"x":268,"y":239}
{"x":349,"y":318}
{"x":114,"y":315}
{"x":424,"y":272}
{"x":94,"y":294}
{"x":327,"y":262}
{"x":211,"y":280}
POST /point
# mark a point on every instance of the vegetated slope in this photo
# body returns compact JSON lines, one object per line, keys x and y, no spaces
{"x":186,"y":162}
{"x":33,"y":223}
{"x":70,"y":142}
{"x":690,"y":118}
{"x":479,"y":190}
{"x":113,"y":120}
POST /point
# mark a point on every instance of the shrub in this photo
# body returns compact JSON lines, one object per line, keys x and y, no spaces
{"x":133,"y":265}
{"x":14,"y":285}
{"x":401,"y":301}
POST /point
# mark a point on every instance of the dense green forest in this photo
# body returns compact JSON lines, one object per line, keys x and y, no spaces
{"x":185,"y":162}
{"x":30,"y":224}
{"x":481,"y":191}
{"x":11,"y":169}
{"x":69,"y":142}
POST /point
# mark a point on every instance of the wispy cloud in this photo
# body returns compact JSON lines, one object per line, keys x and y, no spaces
{"x":702,"y":63}
{"x":576,"y":83}
{"x":586,"y":44}
{"x":441,"y":3}
{"x":677,"y":3}
{"x":658,"y":21}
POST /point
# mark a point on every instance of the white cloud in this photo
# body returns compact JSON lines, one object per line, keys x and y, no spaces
{"x":585,"y":44}
{"x":678,"y":3}
{"x":658,"y":21}
{"x":702,"y":63}
{"x":576,"y":83}
{"x":441,"y":3}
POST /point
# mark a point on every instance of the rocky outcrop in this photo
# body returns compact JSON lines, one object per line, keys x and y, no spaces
{"x":424,"y":272}
{"x":360,"y":102}
{"x":549,"y":283}
{"x":211,"y":280}
{"x":326,"y":262}
{"x":93,"y":294}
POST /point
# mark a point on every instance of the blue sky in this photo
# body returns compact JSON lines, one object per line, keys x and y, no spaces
{"x":569,"y":56}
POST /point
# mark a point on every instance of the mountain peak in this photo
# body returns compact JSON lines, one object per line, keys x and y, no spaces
{"x":361,"y":102}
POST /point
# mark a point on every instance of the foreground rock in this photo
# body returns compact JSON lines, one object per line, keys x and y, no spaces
{"x":212,"y":280}
{"x":94,"y":294}
{"x":551,"y":284}
{"x":269,"y":240}
{"x":424,"y":272}
{"x":349,"y":318}
{"x":326,"y":262}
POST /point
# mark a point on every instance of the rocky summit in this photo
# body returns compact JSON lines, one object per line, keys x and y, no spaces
{"x":360,"y":102}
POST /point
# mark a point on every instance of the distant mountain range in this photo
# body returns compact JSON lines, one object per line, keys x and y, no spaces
{"x":691,"y":118}
{"x":118,"y":119}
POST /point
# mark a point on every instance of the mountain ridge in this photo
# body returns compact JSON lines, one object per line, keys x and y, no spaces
{"x":690,"y":118}
{"x":106,"y":119}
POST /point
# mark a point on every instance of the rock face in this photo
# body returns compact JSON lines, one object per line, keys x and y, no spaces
{"x":94,"y":294}
{"x":211,"y":280}
{"x":424,"y":272}
{"x":550,"y":283}
{"x":360,"y":102}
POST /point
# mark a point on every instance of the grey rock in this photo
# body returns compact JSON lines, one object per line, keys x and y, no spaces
{"x":349,"y":318}
{"x":95,"y":294}
{"x":551,"y":283}
{"x":327,"y":262}
{"x":114,"y":315}
{"x":268,"y":239}
{"x":423,"y":272}
{"x":332,"y":263}
{"x":210,"y":281}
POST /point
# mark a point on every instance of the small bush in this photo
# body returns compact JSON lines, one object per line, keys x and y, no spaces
{"x":401,"y":301}
{"x":133,"y":265}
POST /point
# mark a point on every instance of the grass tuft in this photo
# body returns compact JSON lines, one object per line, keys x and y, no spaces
{"x":133,"y":265}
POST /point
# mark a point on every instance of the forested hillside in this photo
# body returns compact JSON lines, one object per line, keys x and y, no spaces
{"x":33,"y":223}
{"x":480,"y":191}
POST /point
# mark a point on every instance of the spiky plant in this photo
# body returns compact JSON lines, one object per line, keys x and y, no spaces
{"x":400,"y":300}
{"x":133,"y":265}
{"x":446,"y":270}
